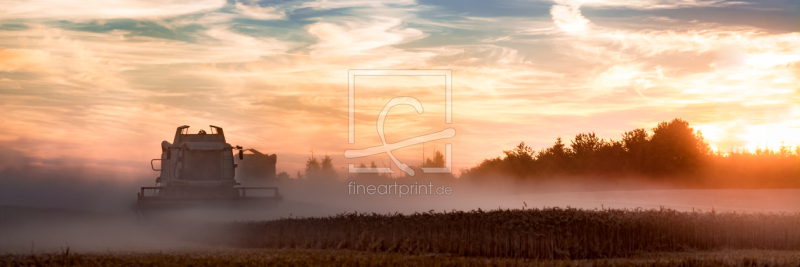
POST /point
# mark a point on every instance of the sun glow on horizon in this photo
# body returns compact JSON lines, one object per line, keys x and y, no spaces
{"x":738,"y":136}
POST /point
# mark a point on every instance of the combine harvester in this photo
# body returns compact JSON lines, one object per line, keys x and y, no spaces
{"x":197,"y":171}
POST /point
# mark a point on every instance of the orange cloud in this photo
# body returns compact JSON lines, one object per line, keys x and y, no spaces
{"x":13,"y":60}
{"x":87,"y":10}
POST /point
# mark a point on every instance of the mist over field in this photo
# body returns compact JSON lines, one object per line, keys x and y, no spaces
{"x":52,"y":208}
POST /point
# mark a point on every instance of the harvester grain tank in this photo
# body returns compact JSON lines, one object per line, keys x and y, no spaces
{"x":200,"y":169}
{"x":259,"y":168}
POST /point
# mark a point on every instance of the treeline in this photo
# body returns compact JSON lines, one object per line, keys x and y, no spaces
{"x":315,"y":169}
{"x":672,"y":151}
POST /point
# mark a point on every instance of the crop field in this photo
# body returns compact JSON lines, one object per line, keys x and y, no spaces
{"x":310,"y":257}
{"x":552,"y":233}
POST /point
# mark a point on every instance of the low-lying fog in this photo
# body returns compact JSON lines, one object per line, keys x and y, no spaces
{"x":51,"y":214}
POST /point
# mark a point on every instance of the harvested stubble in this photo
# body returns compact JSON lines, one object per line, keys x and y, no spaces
{"x":553,"y":233}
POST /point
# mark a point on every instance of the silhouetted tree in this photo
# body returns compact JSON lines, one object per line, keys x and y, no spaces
{"x":554,"y":160}
{"x":312,"y":168}
{"x":609,"y":159}
{"x":675,"y":148}
{"x":326,"y":168}
{"x":635,"y":144}
{"x":584,"y":148}
{"x":519,"y":160}
{"x":283,"y":176}
{"x":437,"y":161}
{"x":373,"y":175}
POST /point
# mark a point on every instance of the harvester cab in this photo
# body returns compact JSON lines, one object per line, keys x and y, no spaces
{"x":199,"y":169}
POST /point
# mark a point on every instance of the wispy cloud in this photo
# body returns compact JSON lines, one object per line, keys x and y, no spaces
{"x":124,"y":74}
{"x":258,"y":12}
{"x":333,"y":4}
{"x":12,"y":60}
{"x":113,"y":9}
{"x":655,"y":4}
{"x":568,"y":17}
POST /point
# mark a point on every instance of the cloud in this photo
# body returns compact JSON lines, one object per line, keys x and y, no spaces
{"x":568,"y":18}
{"x":355,"y":38}
{"x":332,"y":4}
{"x":260,"y":13}
{"x":655,"y":4}
{"x":13,"y":60}
{"x":101,"y":9}
{"x":62,"y":61}
{"x":96,"y":60}
{"x":625,"y":76}
{"x":771,"y":59}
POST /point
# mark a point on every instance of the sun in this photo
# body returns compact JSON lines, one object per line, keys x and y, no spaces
{"x":739,"y":136}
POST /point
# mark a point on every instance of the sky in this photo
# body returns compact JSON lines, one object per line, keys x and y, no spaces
{"x":97,"y":85}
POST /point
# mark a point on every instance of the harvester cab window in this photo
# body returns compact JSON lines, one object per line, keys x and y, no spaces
{"x":203,"y":165}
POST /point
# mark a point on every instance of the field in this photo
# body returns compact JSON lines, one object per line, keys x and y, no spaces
{"x":307,"y":257}
{"x":612,"y":228}
{"x":553,"y":233}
